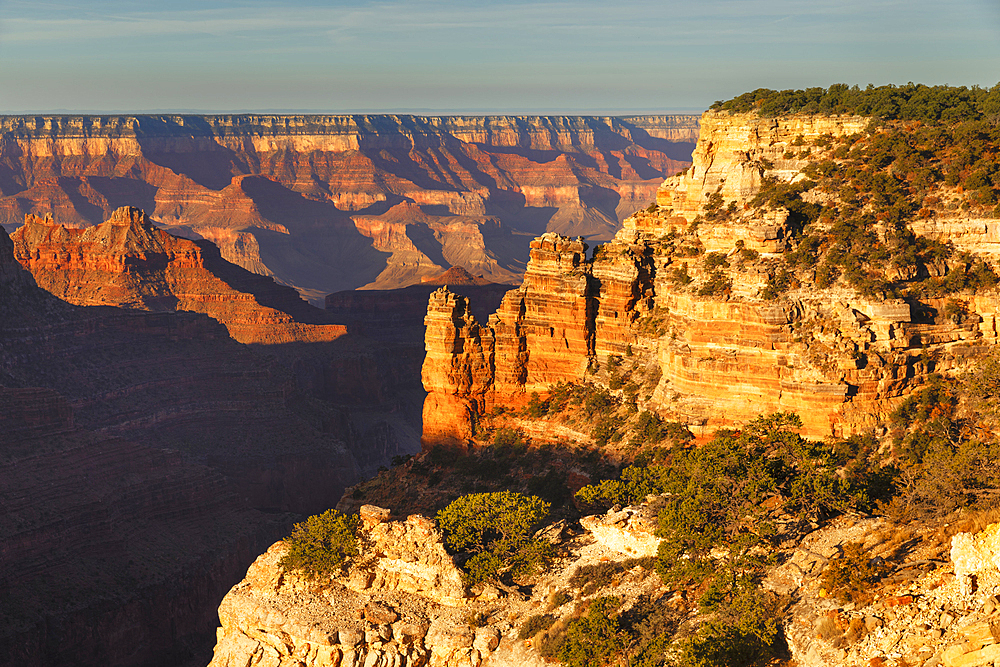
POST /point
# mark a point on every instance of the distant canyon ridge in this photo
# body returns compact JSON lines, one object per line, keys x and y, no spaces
{"x":328,"y":203}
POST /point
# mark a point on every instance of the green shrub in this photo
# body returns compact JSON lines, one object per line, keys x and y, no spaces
{"x":494,"y":531}
{"x":717,"y":284}
{"x":558,"y":599}
{"x":322,"y":545}
{"x":742,"y":641}
{"x":536,"y":408}
{"x":605,"y":430}
{"x":616,"y":381}
{"x":509,"y":442}
{"x":596,"y":638}
{"x":715,"y":260}
{"x":535,"y":624}
{"x":679,"y":275}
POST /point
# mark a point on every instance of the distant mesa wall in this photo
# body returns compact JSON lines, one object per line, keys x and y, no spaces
{"x":328,"y":203}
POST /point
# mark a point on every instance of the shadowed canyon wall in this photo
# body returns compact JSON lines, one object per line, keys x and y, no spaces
{"x":840,"y":360}
{"x":327,"y":203}
{"x":145,"y":459}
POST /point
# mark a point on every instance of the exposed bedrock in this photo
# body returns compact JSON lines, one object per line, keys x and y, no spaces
{"x":128,"y":262}
{"x":328,"y":203}
{"x":839,"y":360}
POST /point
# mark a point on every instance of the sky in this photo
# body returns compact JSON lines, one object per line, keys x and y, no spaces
{"x":453,"y":56}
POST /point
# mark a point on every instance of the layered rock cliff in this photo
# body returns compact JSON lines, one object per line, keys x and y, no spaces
{"x":328,"y":203}
{"x":694,"y":287}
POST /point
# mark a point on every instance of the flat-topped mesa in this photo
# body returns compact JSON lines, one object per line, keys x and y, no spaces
{"x":129,"y":262}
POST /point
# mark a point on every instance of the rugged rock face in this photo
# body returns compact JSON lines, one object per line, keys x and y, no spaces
{"x":839,"y":360}
{"x":328,"y":203}
{"x":924,"y":614}
{"x":735,"y":150}
{"x":128,"y":262}
{"x":402,"y":604}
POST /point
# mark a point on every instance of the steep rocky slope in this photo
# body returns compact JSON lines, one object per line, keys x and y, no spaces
{"x":144,"y":459}
{"x":128,"y":262}
{"x":701,"y":288}
{"x":328,"y":203}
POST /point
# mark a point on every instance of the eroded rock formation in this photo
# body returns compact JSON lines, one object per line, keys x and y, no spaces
{"x":840,"y":360}
{"x":144,"y":459}
{"x":328,"y":203}
{"x":128,"y":262}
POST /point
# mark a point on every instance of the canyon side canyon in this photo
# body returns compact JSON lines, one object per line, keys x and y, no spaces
{"x":329,"y":203}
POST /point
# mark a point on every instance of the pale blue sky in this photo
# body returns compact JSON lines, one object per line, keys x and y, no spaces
{"x":500,"y":56}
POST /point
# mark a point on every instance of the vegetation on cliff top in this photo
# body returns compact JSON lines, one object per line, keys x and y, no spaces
{"x":852,"y":212}
{"x":322,"y":545}
{"x":494,"y":532}
{"x":727,"y":506}
{"x":909,"y":102}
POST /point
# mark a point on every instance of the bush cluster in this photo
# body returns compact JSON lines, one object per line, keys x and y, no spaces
{"x":493,"y":533}
{"x":944,"y":438}
{"x":883,"y":180}
{"x":850,"y":576}
{"x":713,"y":505}
{"x":322,"y":545}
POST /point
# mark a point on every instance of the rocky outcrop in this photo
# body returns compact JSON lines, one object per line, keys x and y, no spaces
{"x":629,"y":531}
{"x":410,"y":608}
{"x":735,"y":151}
{"x":128,"y":262}
{"x":973,"y":555}
{"x":458,"y":369}
{"x":399,"y":604}
{"x":328,"y":203}
{"x":922,"y":614}
{"x":839,"y":360}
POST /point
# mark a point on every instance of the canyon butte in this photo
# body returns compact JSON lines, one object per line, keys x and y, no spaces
{"x":829,"y":253}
